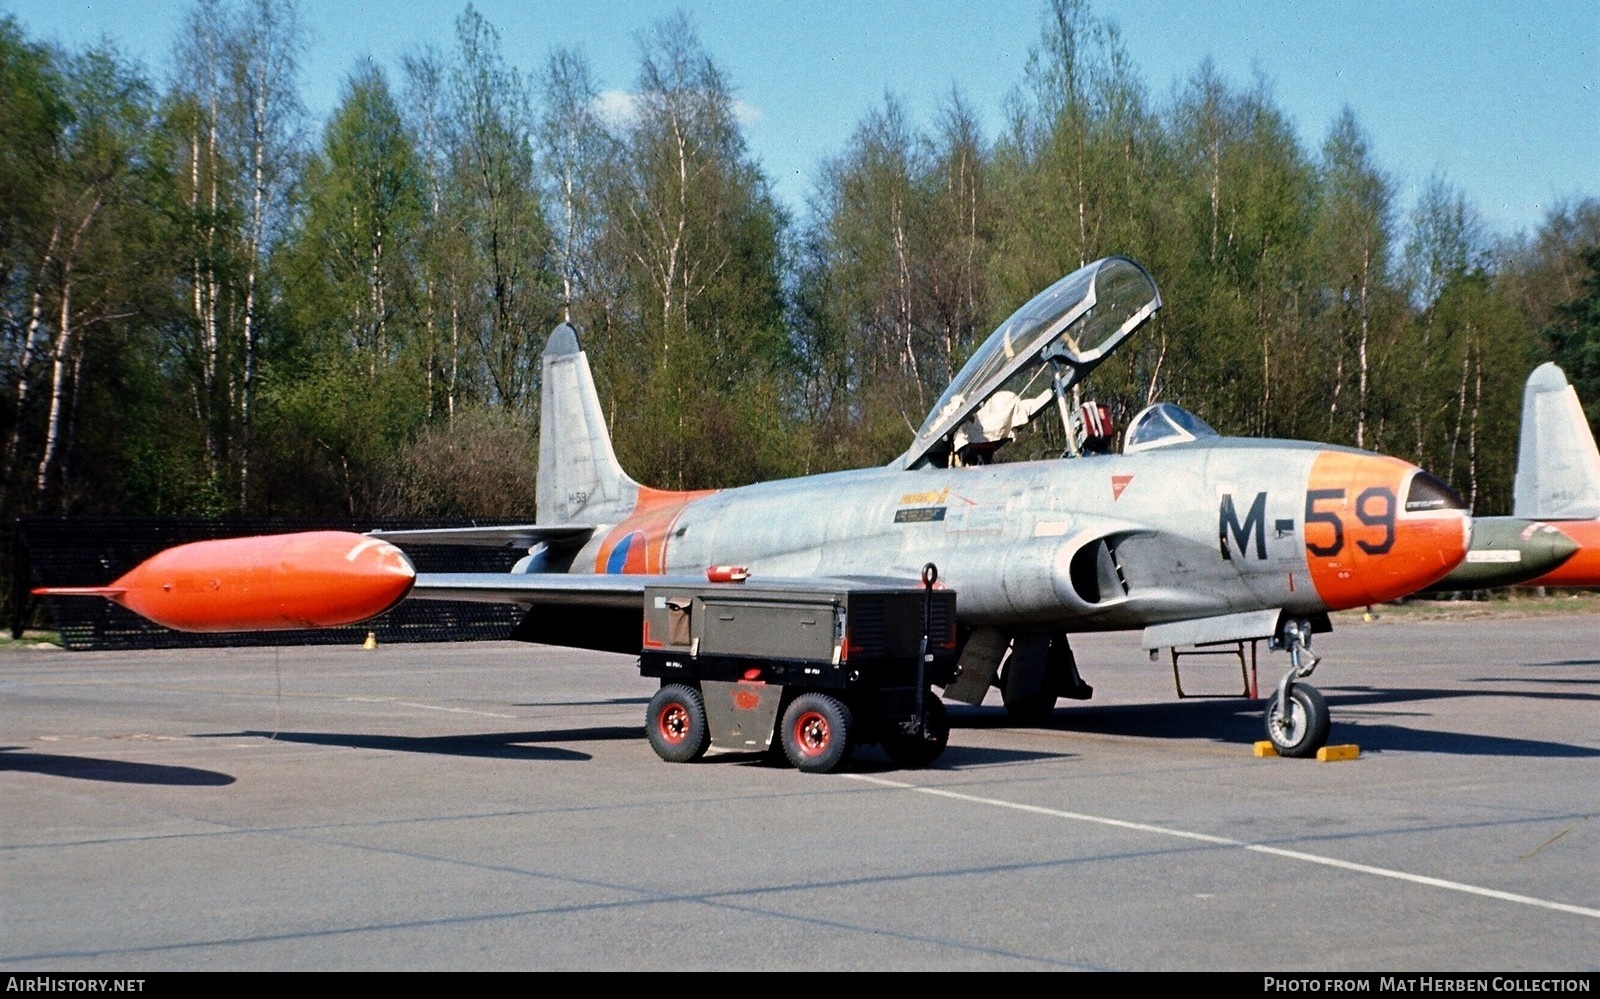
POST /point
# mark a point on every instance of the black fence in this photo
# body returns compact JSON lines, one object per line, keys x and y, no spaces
{"x":93,"y":551}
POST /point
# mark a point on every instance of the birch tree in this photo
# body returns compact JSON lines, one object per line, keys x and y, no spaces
{"x":1354,"y":226}
{"x":489,"y":139}
{"x":695,"y":237}
{"x":234,"y":115}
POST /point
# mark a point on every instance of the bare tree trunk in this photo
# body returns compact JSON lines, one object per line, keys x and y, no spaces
{"x":58,"y":370}
{"x":1216,"y":194}
{"x":375,"y":296}
{"x":61,"y":353}
{"x":254,"y":241}
{"x":454,"y":383}
{"x":1366,"y":322}
{"x":568,"y":242}
{"x":1461,"y":405}
{"x":1338,"y":386}
{"x":206,"y":284}
{"x":63,"y":470}
{"x":1153,"y":385}
{"x":35,"y":319}
{"x":1472,"y":435}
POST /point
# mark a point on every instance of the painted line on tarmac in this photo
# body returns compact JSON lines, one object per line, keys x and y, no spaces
{"x":427,"y":707}
{"x":1310,"y":858}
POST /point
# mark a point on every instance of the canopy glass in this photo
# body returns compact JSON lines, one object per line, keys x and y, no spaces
{"x":1043,"y":349}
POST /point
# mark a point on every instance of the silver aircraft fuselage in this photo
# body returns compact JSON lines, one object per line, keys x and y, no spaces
{"x":1100,"y":542}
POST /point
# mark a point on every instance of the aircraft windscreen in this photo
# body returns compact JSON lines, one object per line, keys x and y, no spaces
{"x":1161,"y":425}
{"x":1055,"y":339}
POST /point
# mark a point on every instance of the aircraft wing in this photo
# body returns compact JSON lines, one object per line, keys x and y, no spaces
{"x":589,"y":590}
{"x":522,"y":536}
{"x":539,"y":589}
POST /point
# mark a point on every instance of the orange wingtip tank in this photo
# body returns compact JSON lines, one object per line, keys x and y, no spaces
{"x":1582,"y":570}
{"x":317,"y":579}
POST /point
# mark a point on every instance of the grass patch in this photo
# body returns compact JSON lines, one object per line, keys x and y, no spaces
{"x":30,"y":637}
{"x":1497,"y":604}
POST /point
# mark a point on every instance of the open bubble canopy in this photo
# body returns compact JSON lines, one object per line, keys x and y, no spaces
{"x":1058,"y":337}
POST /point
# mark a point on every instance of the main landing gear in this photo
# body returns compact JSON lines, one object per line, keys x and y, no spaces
{"x":1297,"y":715}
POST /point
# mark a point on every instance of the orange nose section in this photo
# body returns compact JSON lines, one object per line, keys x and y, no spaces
{"x":319,"y":579}
{"x":1378,"y":528}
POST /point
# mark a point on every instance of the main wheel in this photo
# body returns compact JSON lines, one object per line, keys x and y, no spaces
{"x":1305,"y":728}
{"x":817,"y":733}
{"x":912,"y":751}
{"x":676,"y":724}
{"x":1029,"y":709}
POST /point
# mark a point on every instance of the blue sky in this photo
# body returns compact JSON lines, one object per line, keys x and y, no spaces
{"x":1500,"y":99}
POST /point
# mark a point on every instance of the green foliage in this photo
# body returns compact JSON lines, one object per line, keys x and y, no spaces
{"x":481,"y":465}
{"x":363,"y":199}
{"x":510,"y":300}
{"x":693,"y":337}
{"x":251,"y":325}
{"x":1574,"y":336}
{"x":336,"y":430}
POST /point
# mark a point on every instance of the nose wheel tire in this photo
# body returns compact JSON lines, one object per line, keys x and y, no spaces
{"x":817,"y":730}
{"x":675,"y":722}
{"x":1304,"y":728}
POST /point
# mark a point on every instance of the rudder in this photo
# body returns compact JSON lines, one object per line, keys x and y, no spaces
{"x":1558,"y":465}
{"x":579,"y":477}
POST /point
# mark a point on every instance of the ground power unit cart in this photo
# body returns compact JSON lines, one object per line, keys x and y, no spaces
{"x":800,"y":669}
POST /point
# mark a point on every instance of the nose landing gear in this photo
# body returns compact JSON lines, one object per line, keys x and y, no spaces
{"x":1297,"y":715}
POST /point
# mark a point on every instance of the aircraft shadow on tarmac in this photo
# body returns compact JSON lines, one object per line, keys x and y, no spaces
{"x":1209,"y":720}
{"x":1239,"y":720}
{"x":109,"y":771}
{"x":1379,"y":737}
{"x":491,"y":745}
{"x":514,"y":746}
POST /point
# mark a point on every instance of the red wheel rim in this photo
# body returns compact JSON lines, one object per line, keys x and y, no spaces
{"x":811,"y":733}
{"x":673,"y":723}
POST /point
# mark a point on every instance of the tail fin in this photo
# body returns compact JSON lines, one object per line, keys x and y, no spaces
{"x":579,"y":478}
{"x":1558,"y":466}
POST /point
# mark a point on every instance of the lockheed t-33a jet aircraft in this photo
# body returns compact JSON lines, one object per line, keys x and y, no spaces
{"x":1191,"y":537}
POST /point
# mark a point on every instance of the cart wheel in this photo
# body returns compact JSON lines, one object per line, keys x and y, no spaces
{"x":816,"y":733}
{"x":676,"y":724}
{"x":912,"y":751}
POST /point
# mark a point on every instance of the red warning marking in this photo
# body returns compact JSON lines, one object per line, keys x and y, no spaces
{"x":1118,"y":484}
